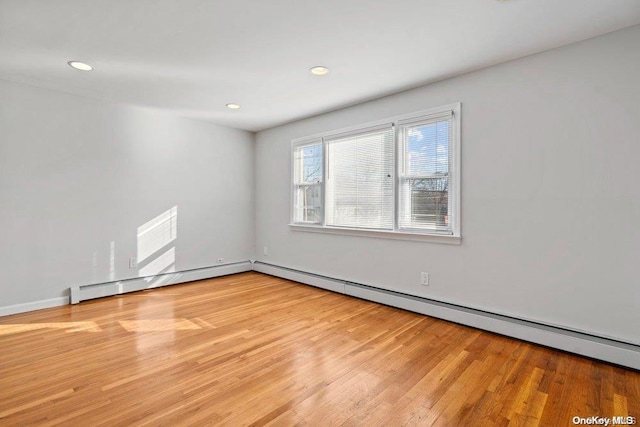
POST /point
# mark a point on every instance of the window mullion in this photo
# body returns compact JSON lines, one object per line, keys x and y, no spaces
{"x":323,"y":186}
{"x":396,"y":175}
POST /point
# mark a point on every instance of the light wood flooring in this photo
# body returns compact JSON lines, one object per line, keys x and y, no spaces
{"x":254,"y":349}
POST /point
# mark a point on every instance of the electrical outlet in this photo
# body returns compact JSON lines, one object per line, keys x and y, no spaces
{"x":424,"y":279}
{"x":220,"y":260}
{"x":265,"y":250}
{"x":133,"y":263}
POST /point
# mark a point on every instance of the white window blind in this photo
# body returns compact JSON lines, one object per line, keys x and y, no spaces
{"x":425,"y":178}
{"x":360,"y":179}
{"x":307,"y":183}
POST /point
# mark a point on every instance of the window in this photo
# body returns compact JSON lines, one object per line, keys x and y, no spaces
{"x":424,"y":174}
{"x":307,"y":183}
{"x":398,"y":177}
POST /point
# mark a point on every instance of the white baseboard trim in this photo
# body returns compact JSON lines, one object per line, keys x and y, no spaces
{"x":99,"y":290}
{"x":608,"y":350}
{"x":302,"y":277}
{"x":34,"y":305}
{"x":581,"y":343}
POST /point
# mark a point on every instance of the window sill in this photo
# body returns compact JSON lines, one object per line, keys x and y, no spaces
{"x":394,"y":235}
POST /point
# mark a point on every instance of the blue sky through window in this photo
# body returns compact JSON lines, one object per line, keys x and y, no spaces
{"x":312,"y":164}
{"x":428,"y":149}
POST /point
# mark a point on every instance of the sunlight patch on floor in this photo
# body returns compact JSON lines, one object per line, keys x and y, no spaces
{"x":67,"y":326}
{"x":155,"y":325}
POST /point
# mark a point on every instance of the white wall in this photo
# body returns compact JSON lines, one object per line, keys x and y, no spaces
{"x":550,"y":210}
{"x":77,"y":175}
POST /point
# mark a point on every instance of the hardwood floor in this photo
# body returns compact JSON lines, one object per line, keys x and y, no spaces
{"x":254,"y":349}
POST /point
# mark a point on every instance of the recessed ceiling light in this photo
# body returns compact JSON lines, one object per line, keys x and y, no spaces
{"x":80,"y":66}
{"x":319,"y":70}
{"x":233,"y":106}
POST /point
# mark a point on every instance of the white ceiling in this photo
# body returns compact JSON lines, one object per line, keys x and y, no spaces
{"x":192,"y":57}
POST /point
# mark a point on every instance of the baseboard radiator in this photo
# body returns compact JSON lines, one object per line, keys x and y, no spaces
{"x":577,"y":342}
{"x":602,"y":348}
{"x":99,"y":290}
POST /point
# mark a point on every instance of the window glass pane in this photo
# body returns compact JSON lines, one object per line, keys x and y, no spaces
{"x":426,"y":203}
{"x":307,"y":176}
{"x":424,"y":181}
{"x":359,"y":187}
{"x":308,"y":203}
{"x":427,"y":148}
{"x":308,"y":164}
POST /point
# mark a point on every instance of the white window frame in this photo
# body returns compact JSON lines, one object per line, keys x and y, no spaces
{"x":397,"y":233}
